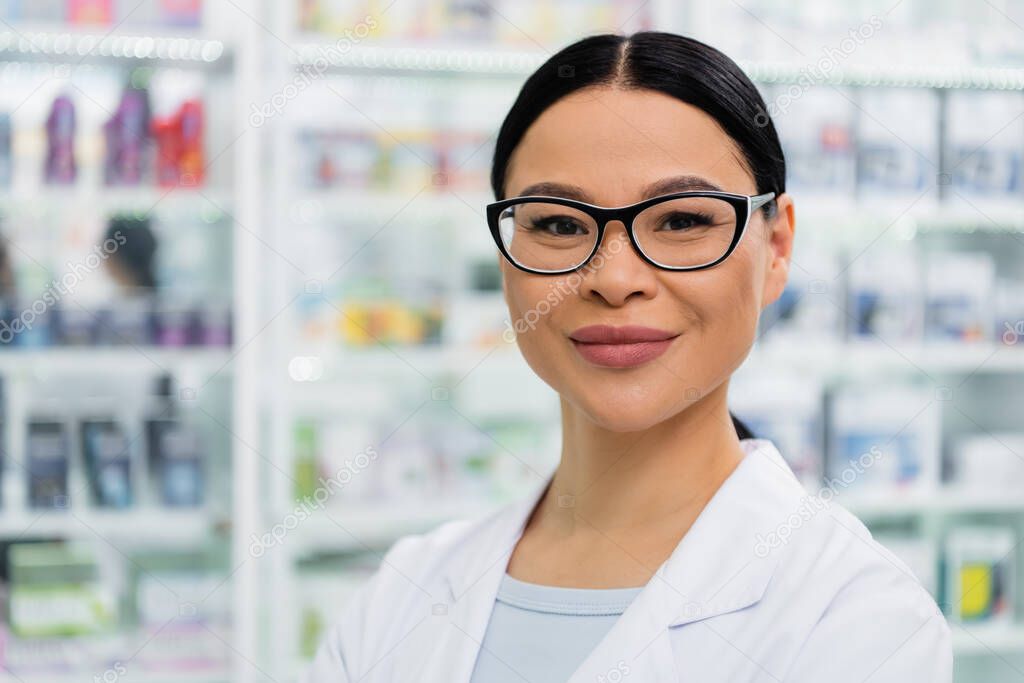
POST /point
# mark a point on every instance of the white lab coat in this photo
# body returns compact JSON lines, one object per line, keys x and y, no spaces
{"x":767,"y":585}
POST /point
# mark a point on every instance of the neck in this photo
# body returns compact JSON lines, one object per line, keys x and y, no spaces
{"x":654,"y":479}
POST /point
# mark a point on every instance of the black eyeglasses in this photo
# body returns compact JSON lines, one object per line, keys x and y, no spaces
{"x":679,"y":231}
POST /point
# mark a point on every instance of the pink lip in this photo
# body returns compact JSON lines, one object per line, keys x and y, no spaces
{"x":621,"y":347}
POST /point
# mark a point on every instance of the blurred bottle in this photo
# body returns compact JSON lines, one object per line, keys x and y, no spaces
{"x":61,"y":168}
{"x":127,"y":135}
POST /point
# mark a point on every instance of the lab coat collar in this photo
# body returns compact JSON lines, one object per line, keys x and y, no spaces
{"x":716,"y":567}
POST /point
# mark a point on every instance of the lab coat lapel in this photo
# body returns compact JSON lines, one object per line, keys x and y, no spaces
{"x":472,"y":582}
{"x":714,"y":569}
{"x":637,"y":646}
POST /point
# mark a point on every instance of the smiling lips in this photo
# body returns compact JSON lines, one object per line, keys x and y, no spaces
{"x":620,"y":347}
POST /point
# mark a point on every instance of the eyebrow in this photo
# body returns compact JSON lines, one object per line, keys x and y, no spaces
{"x":683,"y":183}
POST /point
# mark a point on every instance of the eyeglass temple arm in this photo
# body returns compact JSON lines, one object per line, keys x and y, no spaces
{"x":759,"y":200}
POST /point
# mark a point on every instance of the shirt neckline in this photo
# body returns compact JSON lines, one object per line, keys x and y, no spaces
{"x":562,"y":600}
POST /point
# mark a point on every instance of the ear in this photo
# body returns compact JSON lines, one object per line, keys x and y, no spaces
{"x":779,"y":242}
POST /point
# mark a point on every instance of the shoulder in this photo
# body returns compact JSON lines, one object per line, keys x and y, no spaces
{"x":839,"y":606}
{"x":398,"y":596}
{"x":865,"y":613}
{"x":420,"y":562}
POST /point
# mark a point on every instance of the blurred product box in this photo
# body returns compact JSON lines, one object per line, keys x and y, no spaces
{"x":479,"y":320}
{"x":48,"y":455}
{"x":435,"y":459}
{"x":897,"y":147}
{"x":181,"y":605}
{"x":139,"y":147}
{"x":884,"y":439}
{"x":985,"y":152}
{"x":989,"y":463}
{"x":886,"y":296}
{"x":108,"y":463}
{"x":126,"y":322}
{"x":324,"y":587}
{"x":389,"y":322}
{"x":958,"y":296}
{"x":1008,"y":325}
{"x":55,"y":591}
{"x":810,"y":309}
{"x":816,"y":129}
{"x":980,"y":574}
{"x":78,"y":445}
{"x":176,"y":463}
{"x":405,"y":160}
{"x":88,"y":13}
{"x":501,"y":21}
{"x":786,"y":409}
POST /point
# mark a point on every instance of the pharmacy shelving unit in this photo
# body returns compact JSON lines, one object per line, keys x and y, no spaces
{"x":354,"y":528}
{"x":294,"y":390}
{"x":227,"y":65}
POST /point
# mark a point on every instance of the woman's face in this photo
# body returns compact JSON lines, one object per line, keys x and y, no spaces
{"x":613,"y":145}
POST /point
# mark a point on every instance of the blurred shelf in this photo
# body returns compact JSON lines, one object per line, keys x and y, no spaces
{"x":437,"y":364}
{"x":443,"y":58}
{"x":322,"y":55}
{"x":904,"y":216}
{"x":312,"y":203}
{"x":123,"y":360}
{"x":826,"y":360}
{"x":863,"y":357}
{"x":437,"y":359}
{"x":358,"y":528}
{"x":150,"y":526}
{"x":942,"y":501}
{"x":76,"y":47}
{"x":972,"y":215}
{"x":986,"y":639}
{"x":944,"y":77}
{"x":143,"y":199}
{"x":898,"y":218}
{"x":852,"y":222}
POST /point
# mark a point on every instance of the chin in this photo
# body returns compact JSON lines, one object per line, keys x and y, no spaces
{"x":616,"y":413}
{"x":627,"y":424}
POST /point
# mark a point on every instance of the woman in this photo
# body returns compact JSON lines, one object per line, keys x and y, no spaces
{"x":669,"y":545}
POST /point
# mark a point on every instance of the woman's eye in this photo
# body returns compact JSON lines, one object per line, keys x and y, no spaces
{"x":683,"y":221}
{"x":557,"y":226}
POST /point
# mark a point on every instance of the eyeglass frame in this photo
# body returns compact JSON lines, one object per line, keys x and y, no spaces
{"x":743,"y":204}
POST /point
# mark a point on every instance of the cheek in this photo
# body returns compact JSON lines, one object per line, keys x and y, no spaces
{"x":741,"y":280}
{"x":536,"y":304}
{"x":532,"y":301}
{"x":719,"y":308}
{"x":520,"y":296}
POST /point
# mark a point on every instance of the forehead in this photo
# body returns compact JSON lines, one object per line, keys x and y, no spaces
{"x":618,"y":145}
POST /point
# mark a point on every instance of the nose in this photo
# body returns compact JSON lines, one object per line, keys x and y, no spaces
{"x":617,"y":272}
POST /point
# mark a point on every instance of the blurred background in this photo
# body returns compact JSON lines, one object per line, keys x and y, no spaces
{"x":252,"y":329}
